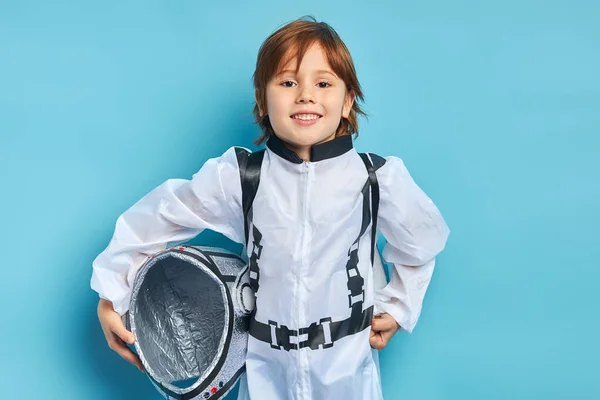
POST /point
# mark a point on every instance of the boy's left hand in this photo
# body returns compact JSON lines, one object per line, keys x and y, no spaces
{"x":383,"y":327}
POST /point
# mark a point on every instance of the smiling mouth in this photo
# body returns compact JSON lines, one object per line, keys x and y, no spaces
{"x":306,"y":117}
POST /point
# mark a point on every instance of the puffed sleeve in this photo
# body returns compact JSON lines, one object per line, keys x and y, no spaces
{"x":174,"y":212}
{"x":415,"y":232}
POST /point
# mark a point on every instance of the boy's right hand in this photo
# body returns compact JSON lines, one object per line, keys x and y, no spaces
{"x":116,"y":334}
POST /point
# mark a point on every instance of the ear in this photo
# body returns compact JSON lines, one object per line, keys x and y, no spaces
{"x":258,"y":102}
{"x":348,"y":103}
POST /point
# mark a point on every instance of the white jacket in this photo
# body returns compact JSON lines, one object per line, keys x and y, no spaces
{"x":310,"y":215}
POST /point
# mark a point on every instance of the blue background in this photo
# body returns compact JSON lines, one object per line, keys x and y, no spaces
{"x":494,"y":106}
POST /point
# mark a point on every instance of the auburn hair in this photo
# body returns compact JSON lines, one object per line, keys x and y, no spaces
{"x":293,"y":40}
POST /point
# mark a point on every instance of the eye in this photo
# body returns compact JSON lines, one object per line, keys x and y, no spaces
{"x":324,"y":84}
{"x":288,"y":83}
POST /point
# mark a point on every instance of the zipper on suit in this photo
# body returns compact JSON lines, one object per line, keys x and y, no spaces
{"x":302,"y":355}
{"x":303,"y":247}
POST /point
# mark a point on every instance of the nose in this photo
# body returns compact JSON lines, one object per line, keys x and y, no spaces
{"x":305,"y":95}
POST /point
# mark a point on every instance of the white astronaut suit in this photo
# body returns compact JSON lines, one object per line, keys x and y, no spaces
{"x":309,"y":244}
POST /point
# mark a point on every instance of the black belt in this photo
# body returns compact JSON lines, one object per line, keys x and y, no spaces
{"x":322,"y":334}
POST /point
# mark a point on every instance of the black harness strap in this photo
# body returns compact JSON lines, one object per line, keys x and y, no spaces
{"x":374,"y":199}
{"x":324,"y":333}
{"x":249,"y":167}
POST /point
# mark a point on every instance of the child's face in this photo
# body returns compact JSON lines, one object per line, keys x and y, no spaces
{"x":306,"y":108}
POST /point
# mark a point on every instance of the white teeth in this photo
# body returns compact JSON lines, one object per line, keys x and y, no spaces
{"x":306,"y":117}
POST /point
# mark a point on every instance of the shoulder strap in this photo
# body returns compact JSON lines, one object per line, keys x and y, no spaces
{"x":373,"y":162}
{"x":249,"y":165}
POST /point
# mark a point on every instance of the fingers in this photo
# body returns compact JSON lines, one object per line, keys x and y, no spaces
{"x":111,"y":322}
{"x":132,"y":358}
{"x":119,"y":347}
{"x":378,"y":340}
{"x":116,"y":344}
{"x":384,"y":323}
{"x":116,"y":334}
{"x":383,"y":327}
{"x":118,"y":328}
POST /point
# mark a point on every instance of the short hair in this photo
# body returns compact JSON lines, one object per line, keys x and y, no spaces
{"x":276,"y":52}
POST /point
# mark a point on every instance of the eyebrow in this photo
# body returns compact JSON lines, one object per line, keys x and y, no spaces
{"x":319,"y":71}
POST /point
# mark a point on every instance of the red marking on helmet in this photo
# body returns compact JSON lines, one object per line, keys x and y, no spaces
{"x":213,"y":390}
{"x":182,"y":248}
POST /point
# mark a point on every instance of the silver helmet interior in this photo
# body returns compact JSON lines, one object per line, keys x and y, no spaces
{"x":179,"y":320}
{"x":190,"y":308}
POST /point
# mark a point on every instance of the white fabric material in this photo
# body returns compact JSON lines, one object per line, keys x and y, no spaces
{"x":309,"y":215}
